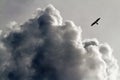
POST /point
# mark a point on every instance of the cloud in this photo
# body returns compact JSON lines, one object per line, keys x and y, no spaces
{"x":46,"y":48}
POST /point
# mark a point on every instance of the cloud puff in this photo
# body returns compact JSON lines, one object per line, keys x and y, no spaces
{"x":46,"y":48}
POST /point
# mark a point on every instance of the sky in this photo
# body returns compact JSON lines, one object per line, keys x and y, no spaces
{"x":82,"y":13}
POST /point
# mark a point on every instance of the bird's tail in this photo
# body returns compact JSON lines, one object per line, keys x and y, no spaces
{"x":97,"y":23}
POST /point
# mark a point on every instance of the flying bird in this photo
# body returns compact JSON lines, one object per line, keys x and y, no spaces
{"x":95,"y":22}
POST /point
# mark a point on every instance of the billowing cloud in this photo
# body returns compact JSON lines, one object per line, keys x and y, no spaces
{"x":46,"y":48}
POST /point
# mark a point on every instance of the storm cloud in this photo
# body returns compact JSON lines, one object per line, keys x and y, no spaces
{"x":46,"y":48}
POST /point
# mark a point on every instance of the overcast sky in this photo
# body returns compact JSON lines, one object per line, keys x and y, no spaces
{"x":82,"y":12}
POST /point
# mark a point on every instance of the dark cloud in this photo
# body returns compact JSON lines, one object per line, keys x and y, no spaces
{"x":46,"y":48}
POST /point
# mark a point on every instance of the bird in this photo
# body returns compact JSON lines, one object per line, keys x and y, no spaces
{"x":95,"y":22}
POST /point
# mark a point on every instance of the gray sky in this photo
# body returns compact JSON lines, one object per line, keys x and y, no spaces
{"x":82,"y":12}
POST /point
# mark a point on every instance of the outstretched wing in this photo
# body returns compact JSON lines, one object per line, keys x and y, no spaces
{"x":93,"y":24}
